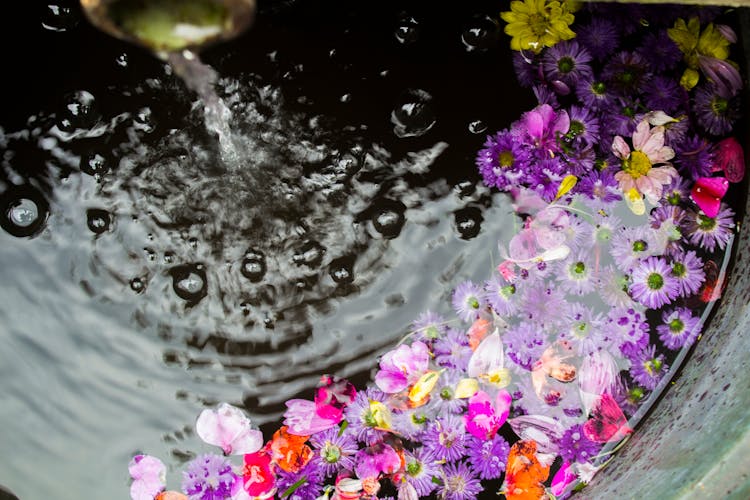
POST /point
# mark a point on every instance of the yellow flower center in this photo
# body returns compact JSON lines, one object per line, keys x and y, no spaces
{"x":505,"y":159}
{"x":637,"y":164}
{"x":539,"y":24}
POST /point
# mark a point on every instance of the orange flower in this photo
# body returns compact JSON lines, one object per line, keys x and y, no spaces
{"x":525,"y":475}
{"x":288,"y":451}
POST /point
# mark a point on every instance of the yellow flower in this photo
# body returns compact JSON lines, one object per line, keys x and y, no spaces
{"x":693,"y":43}
{"x":535,"y":24}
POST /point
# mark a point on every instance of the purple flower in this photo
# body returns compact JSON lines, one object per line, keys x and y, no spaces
{"x":626,"y":72}
{"x":453,"y":351}
{"x":584,"y":331}
{"x":600,"y":186}
{"x":653,"y":283}
{"x":421,"y":468}
{"x":542,"y":303}
{"x":715,"y":112}
{"x":412,"y":423}
{"x":576,"y":273}
{"x":659,"y":51}
{"x":679,"y":328}
{"x":541,"y":127}
{"x":446,"y":438}
{"x":546,"y":95}
{"x":708,"y":233}
{"x":428,"y":326}
{"x":694,"y":157}
{"x":627,"y":326}
{"x":208,"y":477}
{"x":576,"y":447}
{"x":676,"y":192}
{"x":458,"y":483}
{"x":666,"y":221}
{"x":376,"y":459}
{"x":595,"y":94}
{"x":601,"y":37}
{"x":527,"y":70}
{"x":676,"y":131}
{"x":333,"y":451}
{"x":613,"y":288}
{"x":525,"y":343}
{"x":584,"y":126}
{"x":687,"y":269}
{"x":503,"y":160}
{"x":358,"y":414}
{"x":646,"y":368}
{"x":665,"y":94}
{"x":468,"y":301}
{"x":501,"y":295}
{"x":567,"y":62}
{"x":630,"y":245}
{"x":488,"y":458}
{"x":402,"y":367}
{"x":311,"y":487}
{"x":443,"y":400}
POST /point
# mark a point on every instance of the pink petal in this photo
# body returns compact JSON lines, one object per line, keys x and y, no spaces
{"x":148,"y":475}
{"x":598,"y":375}
{"x":302,"y":419}
{"x":562,"y":124}
{"x":522,"y":246}
{"x":562,"y":479}
{"x":534,"y":123}
{"x":487,"y":357}
{"x":228,"y":428}
{"x":641,"y":135}
{"x":391,"y":382}
{"x":503,"y":401}
{"x":545,"y":430}
{"x":620,"y":148}
{"x":653,"y":145}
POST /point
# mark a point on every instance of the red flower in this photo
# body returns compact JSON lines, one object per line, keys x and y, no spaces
{"x":257,"y":474}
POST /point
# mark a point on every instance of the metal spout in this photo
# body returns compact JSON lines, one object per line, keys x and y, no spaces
{"x":165,"y":26}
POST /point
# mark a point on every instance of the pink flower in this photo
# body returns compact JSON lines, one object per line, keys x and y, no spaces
{"x":375,"y":460}
{"x":149,"y":477}
{"x":228,"y":428}
{"x":598,"y":375}
{"x":257,"y":476}
{"x":333,"y":395}
{"x":731,"y":159}
{"x":483,"y":419}
{"x":543,"y":124}
{"x":303,"y":419}
{"x":402,"y":367}
{"x":565,"y":476}
{"x":638,"y":172}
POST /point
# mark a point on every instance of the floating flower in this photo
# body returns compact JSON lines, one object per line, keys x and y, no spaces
{"x":258,"y":478}
{"x":707,"y":232}
{"x":487,"y":458}
{"x":446,"y":438}
{"x":687,"y":268}
{"x":638,"y":171}
{"x":653,"y":284}
{"x":503,"y":160}
{"x":600,"y":36}
{"x":730,"y":159}
{"x":716,"y":112}
{"x":149,"y":477}
{"x":458,"y":483}
{"x":694,"y":43}
{"x":598,"y":375}
{"x":402,"y":366}
{"x":229,"y":428}
{"x":563,"y":477}
{"x":535,"y":24}
{"x":375,"y":460}
{"x":485,"y":417}
{"x":679,"y":328}
{"x":289,"y":451}
{"x":208,"y":477}
{"x":576,"y":447}
{"x":420,"y":470}
{"x":524,"y":475}
{"x":646,"y":368}
{"x":333,"y":450}
{"x":566,"y":62}
{"x":302,"y":419}
{"x":541,"y":127}
{"x":468,"y":300}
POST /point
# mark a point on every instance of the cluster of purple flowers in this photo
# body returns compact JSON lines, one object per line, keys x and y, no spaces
{"x":550,"y":355}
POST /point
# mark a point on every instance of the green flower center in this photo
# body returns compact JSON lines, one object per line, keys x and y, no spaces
{"x":652,"y":366}
{"x":473,"y":302}
{"x":673,"y":198}
{"x":706,"y":223}
{"x":679,"y":269}
{"x":637,"y":164}
{"x":446,"y":393}
{"x":507,"y":291}
{"x":431,"y":332}
{"x":575,"y":129}
{"x":599,"y":88}
{"x":578,"y":269}
{"x":419,"y":419}
{"x":566,"y":64}
{"x":640,"y":246}
{"x":676,"y":325}
{"x":655,"y":281}
{"x":580,"y":330}
{"x":413,"y":468}
{"x":626,"y":77}
{"x":505,"y":159}
{"x":369,"y":419}
{"x":331,"y":453}
{"x":719,"y":105}
{"x":635,"y":394}
{"x":628,"y":111}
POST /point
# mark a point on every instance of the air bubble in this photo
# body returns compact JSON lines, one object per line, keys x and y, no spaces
{"x":253,"y":266}
{"x":468,"y":222}
{"x":24,"y":211}
{"x":342,"y":270}
{"x":413,"y":116}
{"x":477,"y":127}
{"x":79,"y":113}
{"x":59,"y":18}
{"x":407,"y":31}
{"x":480,"y":34}
{"x":98,"y":220}
{"x":93,"y":164}
{"x":310,"y":253}
{"x":189,"y":282}
{"x":388,"y":218}
{"x":137,"y":285}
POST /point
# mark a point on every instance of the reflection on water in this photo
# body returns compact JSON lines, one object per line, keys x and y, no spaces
{"x":144,"y":277}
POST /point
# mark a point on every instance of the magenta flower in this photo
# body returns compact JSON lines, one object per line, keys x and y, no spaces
{"x":149,"y":477}
{"x":303,"y":419}
{"x":565,"y":476}
{"x":731,"y":159}
{"x":228,"y":428}
{"x":484,"y":419}
{"x":402,"y":367}
{"x":542,"y":126}
{"x":375,"y":460}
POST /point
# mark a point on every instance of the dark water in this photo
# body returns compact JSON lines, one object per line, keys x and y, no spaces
{"x":159,"y":279}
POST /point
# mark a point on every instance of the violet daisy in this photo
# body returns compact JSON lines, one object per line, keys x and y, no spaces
{"x":458,"y":483}
{"x":545,"y":95}
{"x":584,"y":125}
{"x":420,"y":469}
{"x":487,"y":458}
{"x":653,"y":284}
{"x":542,"y":303}
{"x":646,"y":368}
{"x":428,"y":326}
{"x":208,"y":477}
{"x":631,"y":244}
{"x":676,"y":192}
{"x":710,"y":233}
{"x":359,"y":415}
{"x":595,"y":94}
{"x":527,"y":70}
{"x":576,"y":447}
{"x":694,"y":157}
{"x":626,"y":72}
{"x":679,"y":328}
{"x":452,"y":350}
{"x":627,"y":326}
{"x":665,"y":94}
{"x":443,"y":395}
{"x":567,"y":62}
{"x":576,"y":273}
{"x":676,"y":130}
{"x":468,"y":300}
{"x":600,"y":36}
{"x":687,"y":269}
{"x":525,"y":343}
{"x":411,"y":423}
{"x":600,"y":186}
{"x":667,"y":221}
{"x":310,"y":487}
{"x":333,"y":451}
{"x":659,"y":51}
{"x":584,"y":331}
{"x":445,"y":438}
{"x":503,"y":160}
{"x":501,"y":295}
{"x":716,"y":113}
{"x":613,"y":287}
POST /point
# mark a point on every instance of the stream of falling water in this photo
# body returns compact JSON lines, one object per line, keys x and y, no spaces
{"x":201,"y":78}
